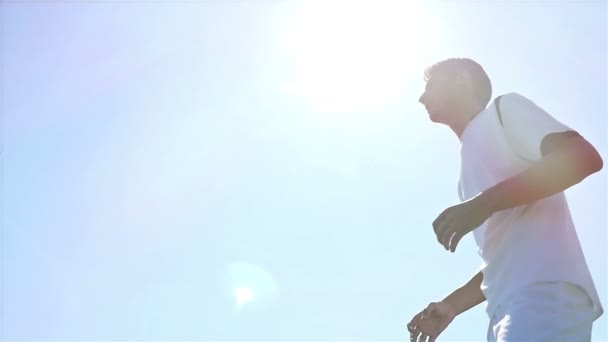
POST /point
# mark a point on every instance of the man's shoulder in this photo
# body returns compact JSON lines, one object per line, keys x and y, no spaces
{"x":513,"y":97}
{"x":516,"y":104}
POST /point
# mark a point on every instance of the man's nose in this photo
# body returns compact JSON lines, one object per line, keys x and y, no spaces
{"x":422,"y":98}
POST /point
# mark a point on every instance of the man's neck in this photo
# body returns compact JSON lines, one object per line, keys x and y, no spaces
{"x":467,"y":116}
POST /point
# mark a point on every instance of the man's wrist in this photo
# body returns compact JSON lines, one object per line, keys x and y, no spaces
{"x":466,"y":296}
{"x":455,"y":310}
{"x":454,"y":300}
{"x":487,"y":202}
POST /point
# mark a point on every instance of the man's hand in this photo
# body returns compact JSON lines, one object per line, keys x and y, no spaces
{"x":455,"y":222}
{"x":431,"y":322}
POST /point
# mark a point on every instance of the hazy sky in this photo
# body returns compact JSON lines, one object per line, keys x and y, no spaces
{"x":261,"y":170}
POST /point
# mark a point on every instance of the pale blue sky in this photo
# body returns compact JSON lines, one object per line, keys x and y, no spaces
{"x":157,"y":156}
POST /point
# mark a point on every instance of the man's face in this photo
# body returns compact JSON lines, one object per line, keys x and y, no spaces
{"x":441,"y":94}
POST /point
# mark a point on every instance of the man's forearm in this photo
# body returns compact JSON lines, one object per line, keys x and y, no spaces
{"x":467,"y":296}
{"x":555,"y":173}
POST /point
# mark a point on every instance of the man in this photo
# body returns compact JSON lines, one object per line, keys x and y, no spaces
{"x":516,"y":163}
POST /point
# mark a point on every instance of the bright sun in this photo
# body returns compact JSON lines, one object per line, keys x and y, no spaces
{"x":350,"y":55}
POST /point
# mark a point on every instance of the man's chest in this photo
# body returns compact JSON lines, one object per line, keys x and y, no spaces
{"x":485,"y":160}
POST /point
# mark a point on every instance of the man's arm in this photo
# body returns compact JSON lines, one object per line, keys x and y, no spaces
{"x":433,"y":320}
{"x":567,"y":159}
{"x":467,"y":296}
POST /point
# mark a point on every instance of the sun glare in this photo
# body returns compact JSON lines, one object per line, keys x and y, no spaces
{"x":250,"y":284}
{"x":350,"y":55}
{"x":243,"y":296}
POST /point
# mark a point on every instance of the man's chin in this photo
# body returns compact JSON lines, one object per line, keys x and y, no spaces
{"x":434,"y":118}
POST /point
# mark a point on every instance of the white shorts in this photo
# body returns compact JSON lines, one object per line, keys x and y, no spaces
{"x":547,"y":311}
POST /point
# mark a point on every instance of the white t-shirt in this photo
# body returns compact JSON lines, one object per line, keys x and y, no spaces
{"x":532,"y":242}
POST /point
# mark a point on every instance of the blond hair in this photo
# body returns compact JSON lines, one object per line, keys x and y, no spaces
{"x":481,"y":82}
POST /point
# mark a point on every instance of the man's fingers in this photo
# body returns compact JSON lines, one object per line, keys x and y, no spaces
{"x":414,"y":336}
{"x":436,"y":223}
{"x":418,"y":335}
{"x":413,"y":322}
{"x":446,"y":237}
{"x":438,"y":220}
{"x":454,"y":242}
{"x":440,"y":231}
{"x":411,"y":326}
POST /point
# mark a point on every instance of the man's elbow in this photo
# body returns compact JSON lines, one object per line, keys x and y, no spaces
{"x":592,"y":159}
{"x":596,"y":163}
{"x":584,"y":158}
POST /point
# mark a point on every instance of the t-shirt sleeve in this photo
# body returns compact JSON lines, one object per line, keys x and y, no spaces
{"x":526,"y":124}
